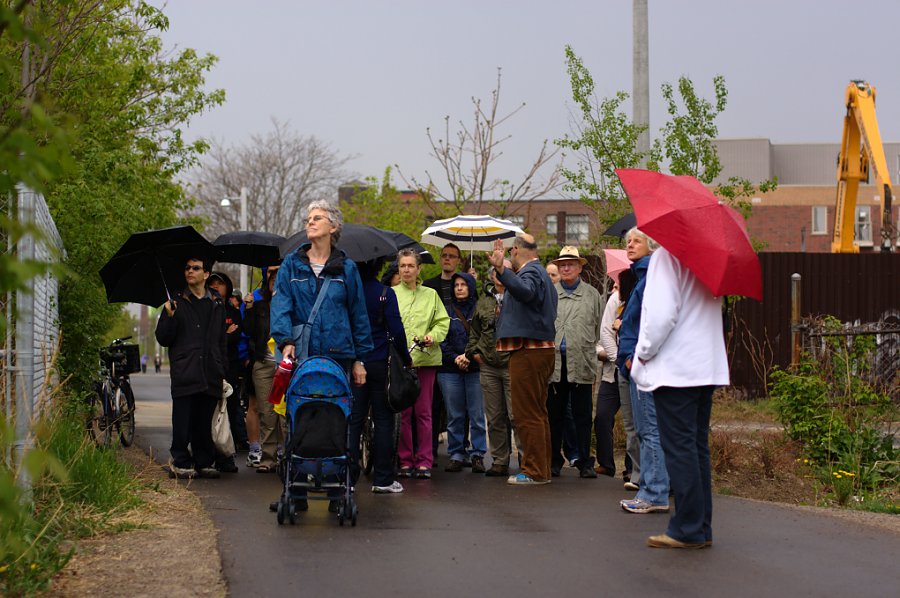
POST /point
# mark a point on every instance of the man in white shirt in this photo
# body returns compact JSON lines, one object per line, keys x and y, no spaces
{"x":680,"y":357}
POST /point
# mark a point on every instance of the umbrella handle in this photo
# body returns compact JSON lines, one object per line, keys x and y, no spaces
{"x":165,"y":286}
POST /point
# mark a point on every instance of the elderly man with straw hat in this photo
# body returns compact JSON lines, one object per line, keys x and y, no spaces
{"x":578,"y":316}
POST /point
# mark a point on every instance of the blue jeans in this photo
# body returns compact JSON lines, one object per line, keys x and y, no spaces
{"x":462,"y":395}
{"x":684,"y":432}
{"x":654,"y":484}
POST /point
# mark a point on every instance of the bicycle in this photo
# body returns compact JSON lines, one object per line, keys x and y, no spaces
{"x":111,"y":405}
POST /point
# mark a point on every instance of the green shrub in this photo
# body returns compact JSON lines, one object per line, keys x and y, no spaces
{"x":829,"y":404}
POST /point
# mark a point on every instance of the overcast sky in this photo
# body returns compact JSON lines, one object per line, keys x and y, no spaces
{"x":369,"y":76}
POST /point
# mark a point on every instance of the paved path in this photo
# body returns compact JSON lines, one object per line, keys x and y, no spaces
{"x":467,"y":535}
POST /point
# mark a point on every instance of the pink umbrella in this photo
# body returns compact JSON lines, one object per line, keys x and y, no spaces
{"x":616,"y":261}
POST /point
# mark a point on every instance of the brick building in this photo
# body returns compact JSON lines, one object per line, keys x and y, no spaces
{"x":799,"y":214}
{"x":553,"y":221}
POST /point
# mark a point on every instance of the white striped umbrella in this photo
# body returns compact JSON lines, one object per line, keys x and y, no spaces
{"x":471,"y":232}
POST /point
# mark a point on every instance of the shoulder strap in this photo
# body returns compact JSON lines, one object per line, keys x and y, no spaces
{"x":306,"y":333}
{"x":383,"y":302}
{"x":462,"y":319}
{"x":320,"y":296}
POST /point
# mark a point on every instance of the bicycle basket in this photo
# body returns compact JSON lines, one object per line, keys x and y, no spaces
{"x":126,"y":357}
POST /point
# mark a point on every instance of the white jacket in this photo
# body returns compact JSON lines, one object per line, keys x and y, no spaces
{"x":681,"y":343}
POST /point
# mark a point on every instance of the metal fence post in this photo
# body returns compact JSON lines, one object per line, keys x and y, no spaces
{"x":796,"y":327}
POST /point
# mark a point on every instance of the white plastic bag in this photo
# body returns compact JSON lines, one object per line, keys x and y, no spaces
{"x":221,"y":427}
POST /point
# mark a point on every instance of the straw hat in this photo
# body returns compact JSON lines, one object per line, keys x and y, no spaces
{"x":569,"y":252}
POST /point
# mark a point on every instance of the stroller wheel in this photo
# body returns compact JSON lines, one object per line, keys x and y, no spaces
{"x":354,"y":511}
{"x":279,"y":514}
{"x":292,"y":512}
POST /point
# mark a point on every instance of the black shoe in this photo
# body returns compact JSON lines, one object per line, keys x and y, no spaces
{"x":227,"y":466}
{"x":333,"y":506}
{"x":455,"y":466}
{"x":210,"y":473}
{"x":587,"y":472}
{"x":555,"y":470}
{"x":477,"y":465}
{"x":301,"y":505}
{"x":273,"y":506}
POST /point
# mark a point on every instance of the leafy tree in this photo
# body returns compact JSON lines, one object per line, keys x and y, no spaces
{"x":380,"y":204}
{"x":101,"y":70}
{"x":686,"y":142}
{"x":606,"y":139}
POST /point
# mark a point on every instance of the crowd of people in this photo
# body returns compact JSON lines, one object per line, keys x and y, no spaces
{"x":538,"y":360}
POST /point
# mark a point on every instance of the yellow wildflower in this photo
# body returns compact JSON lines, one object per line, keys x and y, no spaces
{"x":34,"y":566}
{"x":3,"y":568}
{"x":838,"y":476}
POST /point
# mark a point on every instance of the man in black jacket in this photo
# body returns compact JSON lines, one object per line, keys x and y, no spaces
{"x":192,"y":326}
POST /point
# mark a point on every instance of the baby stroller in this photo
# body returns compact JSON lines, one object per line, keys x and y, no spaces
{"x":316,"y":464}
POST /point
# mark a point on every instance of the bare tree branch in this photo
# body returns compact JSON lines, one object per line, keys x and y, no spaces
{"x":283,"y":172}
{"x":466,"y":157}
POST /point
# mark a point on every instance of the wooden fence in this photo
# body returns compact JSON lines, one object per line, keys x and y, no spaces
{"x":858,"y":289}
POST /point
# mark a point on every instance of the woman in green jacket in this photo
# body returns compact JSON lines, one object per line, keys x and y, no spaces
{"x":426,"y":322}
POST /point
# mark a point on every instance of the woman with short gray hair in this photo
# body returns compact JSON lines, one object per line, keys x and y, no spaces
{"x":653,"y":487}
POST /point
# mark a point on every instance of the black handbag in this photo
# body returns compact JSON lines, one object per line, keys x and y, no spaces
{"x":402,"y":387}
{"x":402,"y":382}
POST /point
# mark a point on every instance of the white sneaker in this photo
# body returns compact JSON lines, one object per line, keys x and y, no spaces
{"x":254,"y":458}
{"x":394,"y":488}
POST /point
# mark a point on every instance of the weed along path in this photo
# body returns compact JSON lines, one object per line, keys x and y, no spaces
{"x":464,"y":533}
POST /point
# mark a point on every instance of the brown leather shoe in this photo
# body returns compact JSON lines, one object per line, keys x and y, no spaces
{"x":497,"y":471}
{"x":666,"y":541}
{"x":477,"y":465}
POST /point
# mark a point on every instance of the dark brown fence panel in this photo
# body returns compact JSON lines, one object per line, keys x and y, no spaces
{"x":853,"y":288}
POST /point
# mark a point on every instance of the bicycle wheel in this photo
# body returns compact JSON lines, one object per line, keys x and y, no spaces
{"x":125,"y":421}
{"x":97,"y":423}
{"x":367,"y":445}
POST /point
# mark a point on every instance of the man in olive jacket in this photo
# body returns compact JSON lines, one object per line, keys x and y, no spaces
{"x":192,"y":326}
{"x":580,"y":309}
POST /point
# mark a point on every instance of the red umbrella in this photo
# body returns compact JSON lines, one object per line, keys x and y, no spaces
{"x":706,"y":235}
{"x":616,"y":261}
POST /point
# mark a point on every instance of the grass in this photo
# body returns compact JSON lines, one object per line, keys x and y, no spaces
{"x":77,"y":490}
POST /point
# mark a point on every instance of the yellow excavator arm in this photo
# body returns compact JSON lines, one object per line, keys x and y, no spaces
{"x":861,"y":149}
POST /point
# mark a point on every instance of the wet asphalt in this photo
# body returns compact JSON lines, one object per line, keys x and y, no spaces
{"x":467,"y":535}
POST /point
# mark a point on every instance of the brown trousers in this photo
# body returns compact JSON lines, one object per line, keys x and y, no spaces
{"x":529,"y":375}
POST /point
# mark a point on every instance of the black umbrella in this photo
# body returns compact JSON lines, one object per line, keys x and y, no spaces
{"x":359,"y":242}
{"x":406,"y":242}
{"x":250,"y":248}
{"x":621,"y":226}
{"x":150,"y":265}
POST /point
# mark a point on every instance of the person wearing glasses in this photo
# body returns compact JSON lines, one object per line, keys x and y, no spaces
{"x":192,"y":326}
{"x":341,"y":328}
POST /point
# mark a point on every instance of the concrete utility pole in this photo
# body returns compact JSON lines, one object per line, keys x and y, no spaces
{"x":640,"y":96}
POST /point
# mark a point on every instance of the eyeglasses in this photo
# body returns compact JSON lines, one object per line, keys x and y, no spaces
{"x":193,"y":268}
{"x":449,"y":256}
{"x":316,"y":218}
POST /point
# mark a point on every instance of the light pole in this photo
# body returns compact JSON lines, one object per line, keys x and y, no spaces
{"x":226,"y":203}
